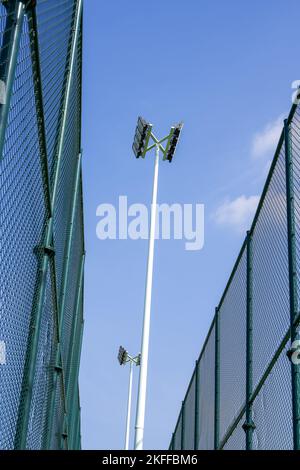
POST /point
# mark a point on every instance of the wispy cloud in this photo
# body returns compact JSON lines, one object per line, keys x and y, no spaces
{"x":265,"y":142}
{"x":237,"y":213}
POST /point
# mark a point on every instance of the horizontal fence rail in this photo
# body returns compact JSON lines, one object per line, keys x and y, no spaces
{"x":41,"y":229}
{"x":245,"y":389}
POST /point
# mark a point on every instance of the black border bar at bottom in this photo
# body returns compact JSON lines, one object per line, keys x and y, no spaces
{"x":134,"y":459}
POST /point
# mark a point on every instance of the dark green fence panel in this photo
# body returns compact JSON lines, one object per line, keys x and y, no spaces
{"x":40,"y":141}
{"x":206,"y":394}
{"x":189,"y":415}
{"x":236,"y":440}
{"x":177,"y":441}
{"x":249,"y":387}
{"x":271,"y":314}
{"x":272,"y":409}
{"x":232,"y":348}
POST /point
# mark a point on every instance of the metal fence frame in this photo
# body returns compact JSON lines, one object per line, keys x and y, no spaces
{"x":60,"y":372}
{"x":243,"y":420}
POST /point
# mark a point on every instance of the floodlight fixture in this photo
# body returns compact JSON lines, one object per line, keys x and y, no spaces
{"x":172,"y":142}
{"x":122,"y":356}
{"x":141,"y":146}
{"x":141,"y":137}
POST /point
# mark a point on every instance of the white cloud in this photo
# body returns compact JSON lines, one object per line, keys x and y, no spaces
{"x":237,"y":213}
{"x":265,"y":142}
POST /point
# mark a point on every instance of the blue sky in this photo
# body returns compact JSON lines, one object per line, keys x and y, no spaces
{"x":225,"y":68}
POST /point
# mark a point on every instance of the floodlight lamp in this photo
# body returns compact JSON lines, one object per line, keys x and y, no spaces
{"x":138,"y":360}
{"x":122,"y":356}
{"x":173,"y":141}
{"x":141,"y":137}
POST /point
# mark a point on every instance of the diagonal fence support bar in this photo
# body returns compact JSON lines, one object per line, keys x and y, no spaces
{"x":217,"y":381}
{"x":8,"y":60}
{"x":34,"y":333}
{"x":32,"y":344}
{"x":249,"y":426}
{"x":292,"y":262}
{"x":38,"y":93}
{"x":41,"y":125}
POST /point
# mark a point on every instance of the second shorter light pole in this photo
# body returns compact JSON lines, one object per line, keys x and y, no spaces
{"x":127,"y":434}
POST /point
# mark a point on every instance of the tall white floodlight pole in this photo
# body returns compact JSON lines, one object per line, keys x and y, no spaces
{"x":141,"y":405}
{"x":140,"y":148}
{"x":123,"y":358}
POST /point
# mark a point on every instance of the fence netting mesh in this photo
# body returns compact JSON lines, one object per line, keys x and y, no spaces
{"x":246,"y":365}
{"x":40,"y":121}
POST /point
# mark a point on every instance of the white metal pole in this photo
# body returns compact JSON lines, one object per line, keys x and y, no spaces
{"x":128,"y":408}
{"x":141,"y":404}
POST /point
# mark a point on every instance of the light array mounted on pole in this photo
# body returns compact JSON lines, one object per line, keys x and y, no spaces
{"x":123,"y":358}
{"x":141,"y":146}
{"x":141,"y":138}
{"x":143,"y":134}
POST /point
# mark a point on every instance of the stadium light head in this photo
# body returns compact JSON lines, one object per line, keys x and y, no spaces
{"x":122,"y":356}
{"x":173,"y":141}
{"x":141,"y":137}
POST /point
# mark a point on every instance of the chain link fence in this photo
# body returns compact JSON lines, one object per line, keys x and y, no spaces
{"x":41,"y":223}
{"x":245,"y":389}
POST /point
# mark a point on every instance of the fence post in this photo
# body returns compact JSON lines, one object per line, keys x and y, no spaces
{"x":249,"y":426}
{"x":78,"y":320}
{"x":182,"y":426}
{"x":196,"y":434}
{"x":172,"y":442}
{"x":75,"y":341}
{"x":75,"y":349}
{"x":79,"y":429}
{"x":74,"y":444}
{"x":48,"y":251}
{"x":217,"y":381}
{"x":292,"y":281}
{"x":78,"y":352}
{"x":8,"y":59}
{"x":66,"y":268}
{"x":68,"y":249}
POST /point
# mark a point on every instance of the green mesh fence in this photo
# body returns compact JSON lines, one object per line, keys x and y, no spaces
{"x":248,"y":382}
{"x":41,"y":223}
